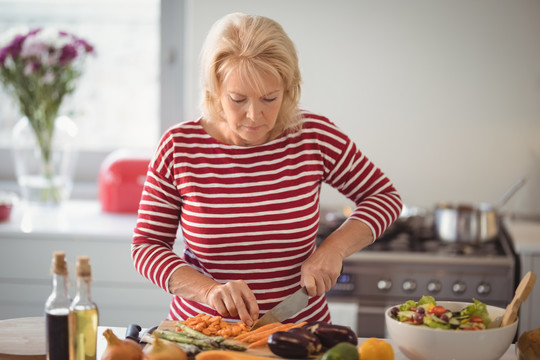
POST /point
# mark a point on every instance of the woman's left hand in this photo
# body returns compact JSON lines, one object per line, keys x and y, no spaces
{"x":322,"y":269}
{"x":320,"y":272}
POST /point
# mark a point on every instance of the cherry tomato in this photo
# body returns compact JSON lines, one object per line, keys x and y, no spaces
{"x":437,"y":310}
{"x":476,"y":319}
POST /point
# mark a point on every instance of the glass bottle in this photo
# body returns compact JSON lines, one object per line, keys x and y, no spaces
{"x":57,"y":311}
{"x":83,"y":316}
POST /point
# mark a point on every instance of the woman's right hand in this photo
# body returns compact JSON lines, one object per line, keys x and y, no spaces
{"x":234,"y":299}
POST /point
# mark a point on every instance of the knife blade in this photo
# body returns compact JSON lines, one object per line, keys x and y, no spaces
{"x":285,"y":309}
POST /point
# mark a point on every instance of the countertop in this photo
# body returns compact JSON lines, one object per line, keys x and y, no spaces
{"x":85,"y":218}
{"x":525,"y":234}
{"x":71,"y":219}
{"x":121,"y":332}
{"x":34,"y":344}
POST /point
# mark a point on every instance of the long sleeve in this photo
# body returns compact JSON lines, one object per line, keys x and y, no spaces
{"x":251,"y":213}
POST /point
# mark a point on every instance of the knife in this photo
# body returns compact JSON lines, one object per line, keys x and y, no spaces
{"x":285,"y":309}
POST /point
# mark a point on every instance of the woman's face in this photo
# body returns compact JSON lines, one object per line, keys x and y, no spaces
{"x":250,"y":115}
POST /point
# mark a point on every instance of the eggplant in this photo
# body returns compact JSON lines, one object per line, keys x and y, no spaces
{"x":289,"y":345}
{"x":315,"y":344}
{"x":331,"y":335}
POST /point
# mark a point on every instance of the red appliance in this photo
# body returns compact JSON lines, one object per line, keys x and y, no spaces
{"x":121,"y":179}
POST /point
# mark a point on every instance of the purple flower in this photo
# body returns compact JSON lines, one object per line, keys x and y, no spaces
{"x":87,"y":47}
{"x":14,"y":49}
{"x":34,"y":31}
{"x":33,"y":48}
{"x":69,"y":52}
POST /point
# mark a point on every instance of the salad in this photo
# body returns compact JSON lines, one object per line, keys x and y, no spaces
{"x":426,"y":312}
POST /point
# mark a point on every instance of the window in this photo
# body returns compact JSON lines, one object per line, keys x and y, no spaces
{"x":117,"y":102}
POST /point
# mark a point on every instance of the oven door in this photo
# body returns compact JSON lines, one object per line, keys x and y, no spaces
{"x":367,"y":320}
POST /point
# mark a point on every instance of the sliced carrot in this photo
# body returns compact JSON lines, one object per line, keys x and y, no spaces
{"x":259,"y":330}
{"x":214,"y":325}
{"x":258,"y":343}
{"x":266,"y":334}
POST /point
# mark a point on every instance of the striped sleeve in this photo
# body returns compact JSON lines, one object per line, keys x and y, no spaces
{"x":157,"y":223}
{"x":347,"y":169}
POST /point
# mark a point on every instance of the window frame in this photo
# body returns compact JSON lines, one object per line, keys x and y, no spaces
{"x":171,"y":100}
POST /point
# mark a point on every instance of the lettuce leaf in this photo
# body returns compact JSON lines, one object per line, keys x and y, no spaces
{"x":424,"y":300}
{"x":478,"y":308}
{"x":407,"y":306}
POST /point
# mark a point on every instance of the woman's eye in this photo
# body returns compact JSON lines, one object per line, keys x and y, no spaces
{"x":270,"y":99}
{"x":238,"y":101}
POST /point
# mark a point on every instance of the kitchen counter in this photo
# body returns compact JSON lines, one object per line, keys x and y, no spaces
{"x":525,"y":234}
{"x":76,"y":218}
{"x":526,"y":237}
{"x":121,"y":332}
{"x":32,"y":342}
{"x":33,"y":233}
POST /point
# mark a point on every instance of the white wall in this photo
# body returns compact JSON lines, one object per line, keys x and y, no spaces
{"x":444,"y":96}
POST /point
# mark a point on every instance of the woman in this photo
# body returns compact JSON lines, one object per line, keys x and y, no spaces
{"x":243,"y":182}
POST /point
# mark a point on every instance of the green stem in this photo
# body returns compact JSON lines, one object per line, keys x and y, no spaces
{"x":51,"y":192}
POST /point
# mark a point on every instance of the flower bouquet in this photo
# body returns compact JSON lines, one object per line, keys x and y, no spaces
{"x":39,"y":68}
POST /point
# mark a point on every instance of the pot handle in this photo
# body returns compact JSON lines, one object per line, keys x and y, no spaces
{"x":510,"y":192}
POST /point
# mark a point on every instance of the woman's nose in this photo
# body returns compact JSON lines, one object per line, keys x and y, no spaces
{"x":253,"y":110}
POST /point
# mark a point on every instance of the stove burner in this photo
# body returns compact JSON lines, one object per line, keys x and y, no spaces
{"x":416,"y":237}
{"x":457,"y":249}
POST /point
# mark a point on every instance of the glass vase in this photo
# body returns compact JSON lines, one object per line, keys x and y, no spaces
{"x":45,"y":169}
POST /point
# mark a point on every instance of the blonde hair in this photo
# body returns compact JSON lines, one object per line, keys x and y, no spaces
{"x":254,"y":45}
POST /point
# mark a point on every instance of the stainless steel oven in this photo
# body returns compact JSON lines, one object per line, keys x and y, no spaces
{"x":408,"y":261}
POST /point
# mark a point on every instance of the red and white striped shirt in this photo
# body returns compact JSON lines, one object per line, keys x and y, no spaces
{"x":251,"y":213}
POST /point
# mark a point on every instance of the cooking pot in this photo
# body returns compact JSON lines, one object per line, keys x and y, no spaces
{"x":466,"y":223}
{"x":470,"y":223}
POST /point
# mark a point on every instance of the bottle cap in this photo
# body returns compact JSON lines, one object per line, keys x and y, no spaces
{"x":59,"y":265}
{"x":83,"y":266}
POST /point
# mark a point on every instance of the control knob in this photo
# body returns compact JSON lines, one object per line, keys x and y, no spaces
{"x":459,"y":287}
{"x":434,"y":286}
{"x":483,"y":288}
{"x":384,"y":284}
{"x":409,"y":285}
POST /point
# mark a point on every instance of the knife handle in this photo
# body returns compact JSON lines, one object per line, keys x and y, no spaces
{"x":132,"y":332}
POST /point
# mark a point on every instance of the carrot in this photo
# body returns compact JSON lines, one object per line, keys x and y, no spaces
{"x":214,"y":325}
{"x":261,"y":340}
{"x":259,"y":330}
{"x":266,"y":334}
{"x":258,"y":343}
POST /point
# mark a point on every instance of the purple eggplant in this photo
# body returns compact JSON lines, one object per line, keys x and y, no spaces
{"x":289,"y":345}
{"x":314,"y":343}
{"x":330,"y":334}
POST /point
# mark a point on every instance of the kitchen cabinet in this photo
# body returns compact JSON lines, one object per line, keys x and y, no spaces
{"x":28,"y":240}
{"x":526,"y":236}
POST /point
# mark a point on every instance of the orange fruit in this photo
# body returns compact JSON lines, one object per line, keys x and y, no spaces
{"x":375,"y":349}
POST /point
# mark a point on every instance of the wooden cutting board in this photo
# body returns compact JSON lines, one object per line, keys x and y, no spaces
{"x":22,"y":339}
{"x":260,"y":351}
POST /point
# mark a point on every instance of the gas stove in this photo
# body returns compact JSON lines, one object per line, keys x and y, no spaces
{"x":409,"y":261}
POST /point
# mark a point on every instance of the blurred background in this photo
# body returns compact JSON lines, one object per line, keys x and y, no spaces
{"x":444,"y":96}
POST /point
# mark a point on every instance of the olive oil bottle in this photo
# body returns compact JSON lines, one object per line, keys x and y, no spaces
{"x":83,"y":316}
{"x":57,"y":311}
